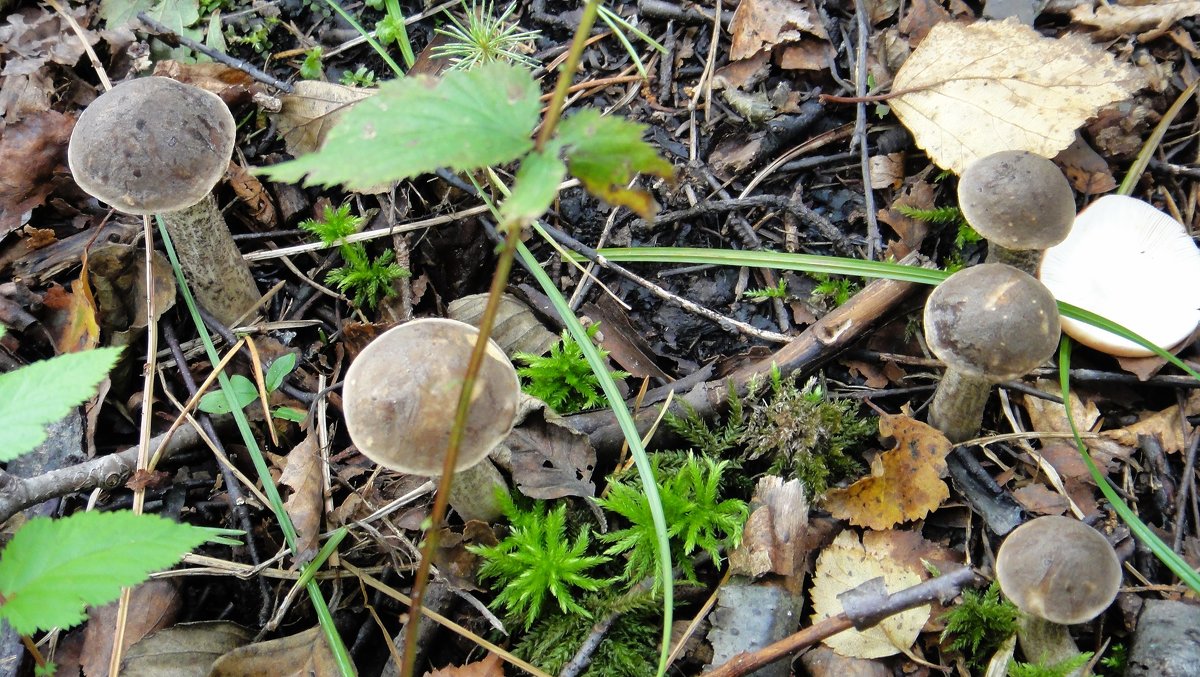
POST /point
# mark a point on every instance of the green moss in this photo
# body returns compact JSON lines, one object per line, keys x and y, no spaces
{"x":979,"y":624}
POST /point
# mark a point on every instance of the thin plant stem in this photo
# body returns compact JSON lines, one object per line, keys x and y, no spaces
{"x":379,"y":49}
{"x":499,"y":281}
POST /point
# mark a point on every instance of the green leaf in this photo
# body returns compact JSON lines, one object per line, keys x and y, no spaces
{"x":52,"y":569}
{"x":606,"y":152}
{"x":244,"y":392}
{"x":290,"y":414}
{"x":535,"y":187}
{"x":279,"y":370}
{"x":34,"y":396}
{"x":416,"y":125}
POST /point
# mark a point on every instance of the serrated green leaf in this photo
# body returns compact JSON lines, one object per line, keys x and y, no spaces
{"x":605,"y":153}
{"x":52,"y":569}
{"x":279,"y":370}
{"x":535,"y":187}
{"x":244,"y":392}
{"x":34,"y":396}
{"x":415,"y":125}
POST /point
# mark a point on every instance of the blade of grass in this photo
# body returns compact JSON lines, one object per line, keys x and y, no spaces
{"x":1139,"y":529}
{"x":336,"y":645}
{"x":379,"y":49}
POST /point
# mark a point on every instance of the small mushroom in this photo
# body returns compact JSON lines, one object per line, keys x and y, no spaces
{"x":1020,"y":202}
{"x":399,"y":400}
{"x":1130,"y":263}
{"x":1058,"y":571}
{"x":988,"y":323}
{"x":155,"y":145}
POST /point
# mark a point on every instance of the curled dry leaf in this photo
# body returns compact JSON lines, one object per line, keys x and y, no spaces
{"x":773,"y":537}
{"x":970,"y":91}
{"x":516,"y":328}
{"x":762,"y":24}
{"x":1150,"y":20}
{"x":33,"y":150}
{"x":302,"y":472}
{"x":848,"y":563}
{"x":181,"y":649}
{"x":311,"y":110}
{"x":905,"y":482}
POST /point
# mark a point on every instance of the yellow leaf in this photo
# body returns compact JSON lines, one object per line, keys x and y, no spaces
{"x":905,"y":483}
{"x":970,"y":91}
{"x":846,"y":564}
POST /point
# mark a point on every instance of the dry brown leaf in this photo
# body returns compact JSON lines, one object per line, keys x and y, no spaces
{"x":848,"y":563}
{"x":303,"y":473}
{"x":33,"y":36}
{"x":1149,"y":20}
{"x":33,"y":150}
{"x":774,"y":533}
{"x":299,"y":655}
{"x":549,"y":459}
{"x":72,"y":317}
{"x":970,"y":91}
{"x":905,"y":483}
{"x":762,"y":24}
{"x":1050,"y":417}
{"x":488,"y":667}
{"x":1163,"y":424}
{"x":1038,"y":499}
{"x":157,"y":604}
{"x":311,"y":110}
{"x":1086,"y":169}
{"x":184,"y":649}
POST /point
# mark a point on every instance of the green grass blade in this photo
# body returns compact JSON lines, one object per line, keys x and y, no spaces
{"x":379,"y":49}
{"x":1139,"y":529}
{"x":607,"y":17}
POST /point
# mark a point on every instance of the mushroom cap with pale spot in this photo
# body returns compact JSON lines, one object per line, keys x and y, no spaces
{"x":402,"y":390}
{"x":1017,"y":200}
{"x":1130,"y":263}
{"x":152,"y":145}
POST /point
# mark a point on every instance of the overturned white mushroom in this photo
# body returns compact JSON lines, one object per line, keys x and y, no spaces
{"x":1130,"y":263}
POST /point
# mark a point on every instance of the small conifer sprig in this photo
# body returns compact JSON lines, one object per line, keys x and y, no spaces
{"x":367,"y":279}
{"x":536,"y":559}
{"x":482,"y":38}
{"x":563,"y":379}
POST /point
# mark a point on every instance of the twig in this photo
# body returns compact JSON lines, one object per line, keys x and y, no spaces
{"x":874,"y":240}
{"x":216,"y":55}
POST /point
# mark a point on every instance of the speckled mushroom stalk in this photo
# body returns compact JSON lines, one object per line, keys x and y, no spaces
{"x":399,"y":400}
{"x":1020,"y":202}
{"x":157,"y":146}
{"x":988,"y":323}
{"x":1059,"y":572}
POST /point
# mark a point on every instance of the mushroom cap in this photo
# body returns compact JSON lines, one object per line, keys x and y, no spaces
{"x":151,"y":145}
{"x":1131,"y":263}
{"x":1059,"y":569}
{"x":402,"y":390}
{"x":991,"y":321}
{"x":1017,"y":200}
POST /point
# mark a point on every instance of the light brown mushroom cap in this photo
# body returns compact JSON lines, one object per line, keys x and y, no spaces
{"x":1133,"y":264}
{"x":1017,"y":200}
{"x":402,"y":390}
{"x":1059,"y":569}
{"x":151,"y":145}
{"x":991,"y":321}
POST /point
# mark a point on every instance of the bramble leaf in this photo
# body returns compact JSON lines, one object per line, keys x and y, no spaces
{"x":416,"y":125}
{"x":605,"y":153}
{"x":52,"y":569}
{"x":43,"y":392}
{"x":535,"y":187}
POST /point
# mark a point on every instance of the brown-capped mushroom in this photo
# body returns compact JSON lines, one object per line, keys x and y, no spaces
{"x":157,"y":146}
{"x":1020,"y":202}
{"x":1058,"y":571}
{"x":1130,"y":263}
{"x":399,"y":399}
{"x":987,"y":323}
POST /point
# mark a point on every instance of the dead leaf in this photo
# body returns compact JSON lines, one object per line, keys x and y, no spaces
{"x":848,"y":563}
{"x":821,"y":661}
{"x":1149,"y":20}
{"x":1038,"y":499}
{"x":919,"y":195}
{"x":311,"y":110}
{"x":806,"y":54}
{"x":759,"y":25}
{"x":71,"y":319}
{"x":1086,"y":170}
{"x":184,"y":649}
{"x":34,"y":36}
{"x":488,"y":667}
{"x":299,"y":655}
{"x":118,"y":279}
{"x":773,"y":535}
{"x":549,"y":459}
{"x":250,"y":191}
{"x":516,"y":329}
{"x":970,"y":91}
{"x":1047,"y":416}
{"x":232,"y":85}
{"x":22,"y":95}
{"x":303,"y":472}
{"x":920,"y":17}
{"x":33,"y":150}
{"x":887,"y":171}
{"x":1165,"y":425}
{"x":157,"y":603}
{"x":905,"y":483}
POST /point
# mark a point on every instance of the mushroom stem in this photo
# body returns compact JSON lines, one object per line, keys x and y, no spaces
{"x":1026,"y":260}
{"x":473,"y":492}
{"x":210,"y":259}
{"x":1046,"y":643}
{"x":957,"y":408}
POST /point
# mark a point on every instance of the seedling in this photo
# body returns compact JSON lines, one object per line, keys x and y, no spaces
{"x":779,"y":291}
{"x":311,"y":68}
{"x":391,"y":28}
{"x":366,"y":278}
{"x":359,"y":77}
{"x":482,"y":38}
{"x":245,"y":392}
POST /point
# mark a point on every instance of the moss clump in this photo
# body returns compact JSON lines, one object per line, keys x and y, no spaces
{"x":628,"y":648}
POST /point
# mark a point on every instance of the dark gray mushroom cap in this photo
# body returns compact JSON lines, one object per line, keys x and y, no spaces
{"x":992,"y":321}
{"x":1017,"y":200}
{"x":1059,"y":569}
{"x":402,"y":390}
{"x":152,"y":145}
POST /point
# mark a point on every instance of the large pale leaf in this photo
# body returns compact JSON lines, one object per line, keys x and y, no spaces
{"x":970,"y":91}
{"x":52,"y":569}
{"x":34,"y":396}
{"x":415,"y":125}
